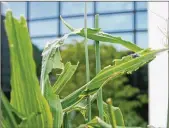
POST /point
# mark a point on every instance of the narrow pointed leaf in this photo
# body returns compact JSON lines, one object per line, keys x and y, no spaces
{"x":56,"y":109}
{"x":111,"y":114}
{"x":64,"y":77}
{"x":7,"y":113}
{"x":10,"y":117}
{"x":109,"y":73}
{"x":98,"y":35}
{"x":96,"y":123}
{"x":51,"y":58}
{"x":55,"y":105}
{"x":26,"y":96}
{"x":117,"y":113}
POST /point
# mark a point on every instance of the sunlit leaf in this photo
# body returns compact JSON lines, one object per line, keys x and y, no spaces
{"x":108,"y":73}
{"x":26,"y":96}
{"x":98,"y":35}
{"x":64,"y":77}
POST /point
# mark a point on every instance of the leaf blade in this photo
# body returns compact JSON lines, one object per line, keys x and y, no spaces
{"x":109,"y":72}
{"x":65,"y":76}
{"x":25,"y":95}
{"x":98,"y":35}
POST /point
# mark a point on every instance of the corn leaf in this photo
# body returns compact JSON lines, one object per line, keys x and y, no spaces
{"x":98,"y":123}
{"x":55,"y":106}
{"x":82,"y":108}
{"x":7,"y":115}
{"x":26,"y":96}
{"x":117,"y":113}
{"x":64,"y":77}
{"x":110,"y":72}
{"x":10,"y":117}
{"x":51,"y":59}
{"x":98,"y":35}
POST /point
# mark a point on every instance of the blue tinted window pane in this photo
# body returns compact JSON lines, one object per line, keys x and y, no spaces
{"x":76,"y":23}
{"x":43,"y":9}
{"x":141,"y":20}
{"x":124,"y":36}
{"x":39,"y":28}
{"x":75,"y":8}
{"x":18,"y":8}
{"x":114,"y":6}
{"x":116,"y":22}
{"x":142,"y":39}
{"x":141,"y":5}
{"x":40,"y":43}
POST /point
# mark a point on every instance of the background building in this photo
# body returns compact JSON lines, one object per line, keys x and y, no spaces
{"x":125,"y":19}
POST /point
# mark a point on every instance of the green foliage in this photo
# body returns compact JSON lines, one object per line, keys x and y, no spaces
{"x":32,"y":107}
{"x":26,"y":96}
{"x":74,"y":52}
{"x":98,"y":35}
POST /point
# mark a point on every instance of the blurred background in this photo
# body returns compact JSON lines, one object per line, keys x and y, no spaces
{"x":125,"y":19}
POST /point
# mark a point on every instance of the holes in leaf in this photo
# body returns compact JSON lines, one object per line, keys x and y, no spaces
{"x":54,"y":74}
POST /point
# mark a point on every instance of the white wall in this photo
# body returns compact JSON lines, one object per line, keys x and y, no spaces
{"x":158,"y":68}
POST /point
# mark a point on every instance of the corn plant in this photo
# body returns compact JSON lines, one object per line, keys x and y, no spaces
{"x":38,"y":105}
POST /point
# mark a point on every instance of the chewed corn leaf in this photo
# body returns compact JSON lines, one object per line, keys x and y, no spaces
{"x":98,"y":35}
{"x":129,"y":57}
{"x":51,"y":58}
{"x":64,"y":77}
{"x":123,"y":66}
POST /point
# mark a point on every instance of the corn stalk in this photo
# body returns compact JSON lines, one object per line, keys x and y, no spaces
{"x":87,"y":60}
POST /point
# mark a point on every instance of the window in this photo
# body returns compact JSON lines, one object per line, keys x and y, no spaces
{"x":43,"y":9}
{"x":125,"y":36}
{"x":117,"y":22}
{"x":76,"y":23}
{"x":114,"y":6}
{"x":142,"y":39}
{"x":44,"y":28}
{"x":75,"y":8}
{"x":18,"y":8}
{"x":41,"y":42}
{"x":141,"y":20}
{"x":141,"y":5}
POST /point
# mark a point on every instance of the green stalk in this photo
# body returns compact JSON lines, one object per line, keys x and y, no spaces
{"x":87,"y":61}
{"x":98,"y":68}
{"x":102,"y":123}
{"x":111,"y":113}
{"x":65,"y":121}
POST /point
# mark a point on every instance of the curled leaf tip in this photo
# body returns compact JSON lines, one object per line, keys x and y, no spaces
{"x":22,"y":16}
{"x":109,"y":101}
{"x":9,"y":12}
